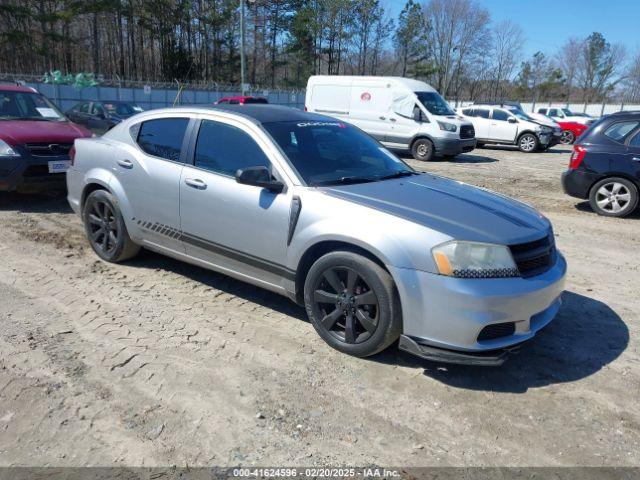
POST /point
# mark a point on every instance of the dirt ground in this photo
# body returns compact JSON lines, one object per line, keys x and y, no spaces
{"x":155,"y":362}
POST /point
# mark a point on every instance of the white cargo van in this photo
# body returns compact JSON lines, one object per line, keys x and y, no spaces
{"x":401,"y":113}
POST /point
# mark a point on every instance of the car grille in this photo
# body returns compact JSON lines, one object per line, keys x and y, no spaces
{"x":467,"y":131}
{"x":497,"y":330}
{"x":49,"y":149}
{"x":534,"y":258}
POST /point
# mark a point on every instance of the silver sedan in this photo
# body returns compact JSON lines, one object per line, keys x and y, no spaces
{"x":315,"y":209}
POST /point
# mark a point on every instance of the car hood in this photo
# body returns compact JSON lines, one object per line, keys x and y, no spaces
{"x":456,"y":209}
{"x":18,"y":132}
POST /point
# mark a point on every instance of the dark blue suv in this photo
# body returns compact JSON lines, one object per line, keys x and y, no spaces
{"x":605,"y":165}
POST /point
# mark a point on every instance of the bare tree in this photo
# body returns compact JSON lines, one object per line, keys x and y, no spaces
{"x":455,"y":30}
{"x":506,"y":50}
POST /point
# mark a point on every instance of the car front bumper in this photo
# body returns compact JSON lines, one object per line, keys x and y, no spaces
{"x":29,"y":173}
{"x":449,"y":313}
{"x":454,"y":146}
{"x":577,"y":183}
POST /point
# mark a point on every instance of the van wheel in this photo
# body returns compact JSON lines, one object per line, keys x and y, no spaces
{"x":423,"y":150}
{"x":105,"y":228}
{"x":352,"y":303}
{"x":613,"y":197}
{"x":528,"y":143}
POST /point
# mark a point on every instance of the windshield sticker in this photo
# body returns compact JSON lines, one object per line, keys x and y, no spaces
{"x":321,"y":124}
{"x":47,"y":112}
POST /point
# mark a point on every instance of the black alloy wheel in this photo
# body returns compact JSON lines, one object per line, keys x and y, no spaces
{"x":348,"y":306}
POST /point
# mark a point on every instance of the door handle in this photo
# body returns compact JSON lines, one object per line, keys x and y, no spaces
{"x":124,"y":163}
{"x":383,"y":118}
{"x":636,"y":159}
{"x":195,"y":183}
{"x":392,"y":119}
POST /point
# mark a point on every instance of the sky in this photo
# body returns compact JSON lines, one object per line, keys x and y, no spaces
{"x":548,"y":23}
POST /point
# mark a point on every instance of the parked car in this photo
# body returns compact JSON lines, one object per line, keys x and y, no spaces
{"x":403,"y":114}
{"x":507,"y":126}
{"x":315,"y":209}
{"x":100,"y":116}
{"x":571,"y":131}
{"x":35,"y":138}
{"x":605,"y":165}
{"x":566,"y":115}
{"x":556,"y":135}
{"x":241,"y":101}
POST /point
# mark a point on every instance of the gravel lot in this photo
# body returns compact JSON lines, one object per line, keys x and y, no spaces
{"x":156,"y":362}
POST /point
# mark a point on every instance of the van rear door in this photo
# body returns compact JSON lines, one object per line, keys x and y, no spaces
{"x":330,"y":100}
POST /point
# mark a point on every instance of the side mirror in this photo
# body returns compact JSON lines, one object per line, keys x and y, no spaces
{"x":259,"y":177}
{"x":512,"y":120}
{"x":101,"y":115}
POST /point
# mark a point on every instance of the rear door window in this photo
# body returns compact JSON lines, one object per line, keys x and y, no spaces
{"x":635,"y":141}
{"x":619,"y":131}
{"x":482,"y":113}
{"x":225,"y":149}
{"x":163,"y":137}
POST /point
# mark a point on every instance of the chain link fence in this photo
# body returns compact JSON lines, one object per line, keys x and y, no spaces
{"x":151,"y":95}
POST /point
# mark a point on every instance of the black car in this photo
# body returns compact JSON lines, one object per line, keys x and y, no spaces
{"x":101,"y":116}
{"x":605,"y":165}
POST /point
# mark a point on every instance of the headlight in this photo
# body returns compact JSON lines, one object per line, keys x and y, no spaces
{"x":474,"y":260}
{"x":449,"y":127}
{"x":545,"y":129}
{"x":6,"y":150}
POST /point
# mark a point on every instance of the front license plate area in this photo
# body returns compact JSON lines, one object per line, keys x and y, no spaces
{"x":59,"y":166}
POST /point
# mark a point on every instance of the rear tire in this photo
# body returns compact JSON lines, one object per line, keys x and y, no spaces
{"x":528,"y":143}
{"x":105,"y":228}
{"x":613,"y":197}
{"x":352,"y":303}
{"x":423,"y":150}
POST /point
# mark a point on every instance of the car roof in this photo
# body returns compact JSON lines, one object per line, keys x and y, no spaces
{"x":264,"y":113}
{"x":17,"y":88}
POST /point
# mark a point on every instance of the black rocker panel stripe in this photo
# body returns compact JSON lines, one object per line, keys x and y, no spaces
{"x":218,"y":249}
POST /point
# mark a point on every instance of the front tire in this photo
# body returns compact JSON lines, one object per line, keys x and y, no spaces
{"x":613,"y":197}
{"x":567,"y":138}
{"x":105,"y":228}
{"x":528,"y":143}
{"x":352,"y":303}
{"x":423,"y":150}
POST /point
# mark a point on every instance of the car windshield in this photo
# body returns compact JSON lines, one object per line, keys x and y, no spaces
{"x":333,"y":153}
{"x":434,"y":103}
{"x":567,"y":112}
{"x":521,"y":115}
{"x":121,"y":109}
{"x":28,"y":106}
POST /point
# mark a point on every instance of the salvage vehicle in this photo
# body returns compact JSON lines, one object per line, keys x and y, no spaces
{"x":571,"y":131}
{"x":100,"y":116}
{"x":242,"y":100}
{"x":315,"y":209}
{"x":507,"y":126}
{"x":605,"y":165}
{"x":35,"y":138}
{"x":403,"y":114}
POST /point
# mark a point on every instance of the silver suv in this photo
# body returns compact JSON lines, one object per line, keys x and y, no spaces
{"x":315,"y":209}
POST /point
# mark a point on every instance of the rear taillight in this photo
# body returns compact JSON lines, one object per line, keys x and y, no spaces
{"x":72,"y":154}
{"x":577,"y":156}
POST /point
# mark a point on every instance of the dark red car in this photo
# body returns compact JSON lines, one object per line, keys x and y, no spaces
{"x":35,"y":139}
{"x":241,"y":100}
{"x":571,"y":131}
